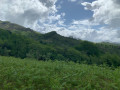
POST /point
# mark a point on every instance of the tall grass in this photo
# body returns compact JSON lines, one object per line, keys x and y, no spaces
{"x":33,"y":75}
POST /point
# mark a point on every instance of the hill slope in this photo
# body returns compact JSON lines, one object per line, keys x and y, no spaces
{"x":31,"y":44}
{"x":31,"y":74}
{"x":49,"y":38}
{"x":12,"y":27}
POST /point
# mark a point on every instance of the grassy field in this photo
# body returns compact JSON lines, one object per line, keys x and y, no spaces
{"x":34,"y":75}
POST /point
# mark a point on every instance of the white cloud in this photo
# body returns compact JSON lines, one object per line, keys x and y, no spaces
{"x":72,"y":0}
{"x":84,"y":22}
{"x":41,"y":15}
{"x":106,"y":12}
{"x":93,"y":35}
{"x":26,"y":12}
{"x":79,"y":31}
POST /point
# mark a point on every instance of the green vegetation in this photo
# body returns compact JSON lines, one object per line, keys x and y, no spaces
{"x":13,"y":27}
{"x":21,"y":42}
{"x":28,"y":74}
{"x":60,"y":62}
{"x":53,"y":46}
{"x":89,"y":48}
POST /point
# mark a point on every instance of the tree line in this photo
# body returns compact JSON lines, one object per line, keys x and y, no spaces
{"x":52,"y":46}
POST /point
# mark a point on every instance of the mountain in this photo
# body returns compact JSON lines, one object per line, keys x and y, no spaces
{"x":22,"y":42}
{"x":13,"y":27}
{"x":49,"y":38}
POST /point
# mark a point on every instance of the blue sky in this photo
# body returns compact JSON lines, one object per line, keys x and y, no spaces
{"x":73,"y":10}
{"x":92,"y":20}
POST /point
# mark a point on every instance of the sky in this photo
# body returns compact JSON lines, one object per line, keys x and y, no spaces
{"x":92,"y":20}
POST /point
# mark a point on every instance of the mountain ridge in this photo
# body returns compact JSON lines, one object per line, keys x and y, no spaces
{"x":52,"y":46}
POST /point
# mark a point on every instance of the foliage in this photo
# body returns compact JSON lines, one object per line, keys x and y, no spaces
{"x":89,"y":48}
{"x":33,"y":75}
{"x":53,"y":46}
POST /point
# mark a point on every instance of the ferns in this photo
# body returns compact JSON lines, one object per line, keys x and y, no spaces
{"x":49,"y":75}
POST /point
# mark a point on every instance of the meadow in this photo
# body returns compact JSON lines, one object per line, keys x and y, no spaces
{"x":28,"y":74}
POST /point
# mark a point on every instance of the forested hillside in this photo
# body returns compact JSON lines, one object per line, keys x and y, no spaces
{"x":52,"y":46}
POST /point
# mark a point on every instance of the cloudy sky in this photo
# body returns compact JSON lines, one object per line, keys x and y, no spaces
{"x":93,"y":20}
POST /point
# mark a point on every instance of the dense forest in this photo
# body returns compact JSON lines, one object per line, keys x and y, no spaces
{"x":25,"y":43}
